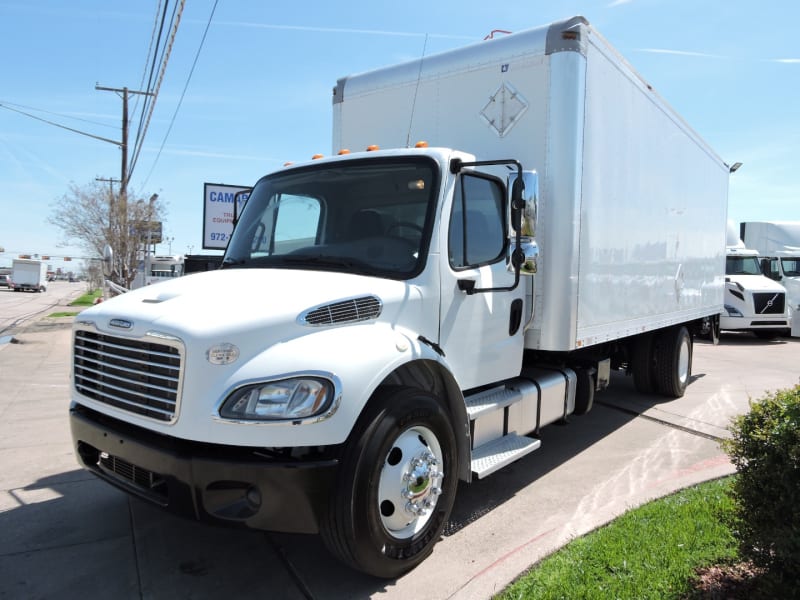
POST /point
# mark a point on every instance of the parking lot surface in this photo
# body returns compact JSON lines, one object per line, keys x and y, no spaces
{"x":66,"y":534}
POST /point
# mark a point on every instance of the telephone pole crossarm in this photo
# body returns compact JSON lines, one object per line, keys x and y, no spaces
{"x":123,"y":185}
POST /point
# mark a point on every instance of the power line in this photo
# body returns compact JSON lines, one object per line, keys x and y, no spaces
{"x":62,"y":115}
{"x":183,"y":93}
{"x":165,"y":59}
{"x":53,"y":123}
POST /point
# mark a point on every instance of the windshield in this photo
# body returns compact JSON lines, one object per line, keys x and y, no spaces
{"x":742,"y":265}
{"x":791,"y":266}
{"x":369,"y":216}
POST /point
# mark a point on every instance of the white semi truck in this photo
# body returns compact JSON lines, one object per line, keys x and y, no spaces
{"x":778,"y":245}
{"x":389,"y":322}
{"x":753,"y":302}
{"x":28,"y":275}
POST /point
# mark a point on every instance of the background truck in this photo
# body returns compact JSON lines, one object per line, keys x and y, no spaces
{"x":387,"y":323}
{"x":28,"y":275}
{"x":753,"y":302}
{"x":778,"y":245}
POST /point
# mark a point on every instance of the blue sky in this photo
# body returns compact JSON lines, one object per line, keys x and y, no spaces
{"x":260,"y":93}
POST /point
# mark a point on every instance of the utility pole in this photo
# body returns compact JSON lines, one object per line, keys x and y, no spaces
{"x":123,"y":185}
{"x":122,"y":209}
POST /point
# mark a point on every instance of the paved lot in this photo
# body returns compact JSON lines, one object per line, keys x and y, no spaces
{"x":66,"y":534}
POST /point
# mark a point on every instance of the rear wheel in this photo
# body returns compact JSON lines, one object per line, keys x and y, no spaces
{"x":672,"y":353}
{"x":641,"y":363}
{"x":396,"y":485}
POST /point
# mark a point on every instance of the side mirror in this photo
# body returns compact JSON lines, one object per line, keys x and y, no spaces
{"x":524,"y":207}
{"x":108,"y":261}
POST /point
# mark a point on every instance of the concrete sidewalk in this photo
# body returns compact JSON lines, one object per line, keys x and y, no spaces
{"x":66,"y":534}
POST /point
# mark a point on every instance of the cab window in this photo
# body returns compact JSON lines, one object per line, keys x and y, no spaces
{"x":477,"y":222}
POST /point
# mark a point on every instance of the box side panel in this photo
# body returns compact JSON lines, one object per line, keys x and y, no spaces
{"x":487,"y":100}
{"x":653,"y":210}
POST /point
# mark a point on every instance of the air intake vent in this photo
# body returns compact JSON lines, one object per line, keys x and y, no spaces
{"x":347,"y":311}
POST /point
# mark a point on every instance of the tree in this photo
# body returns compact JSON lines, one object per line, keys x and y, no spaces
{"x":92,"y":216}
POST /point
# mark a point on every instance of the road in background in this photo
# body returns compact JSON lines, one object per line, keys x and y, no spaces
{"x":66,"y":534}
{"x":18,"y":308}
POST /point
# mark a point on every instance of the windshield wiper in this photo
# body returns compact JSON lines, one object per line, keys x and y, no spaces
{"x":329,"y":261}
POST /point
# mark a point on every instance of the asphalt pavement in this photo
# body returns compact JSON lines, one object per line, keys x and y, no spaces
{"x":66,"y":534}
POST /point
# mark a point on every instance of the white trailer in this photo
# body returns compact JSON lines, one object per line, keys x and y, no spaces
{"x":778,"y":245}
{"x":387,"y":323}
{"x":28,"y":275}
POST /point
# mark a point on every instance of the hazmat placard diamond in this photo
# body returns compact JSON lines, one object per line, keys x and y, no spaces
{"x":504,"y":109}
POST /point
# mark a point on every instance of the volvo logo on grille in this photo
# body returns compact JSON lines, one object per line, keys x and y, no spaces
{"x":121,"y":323}
{"x":769,"y":303}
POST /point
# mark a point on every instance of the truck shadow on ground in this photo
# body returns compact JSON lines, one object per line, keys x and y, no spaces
{"x":72,"y":535}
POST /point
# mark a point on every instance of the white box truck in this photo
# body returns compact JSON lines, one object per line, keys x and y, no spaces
{"x":28,"y":275}
{"x":753,"y":302}
{"x":389,"y":322}
{"x":778,"y":245}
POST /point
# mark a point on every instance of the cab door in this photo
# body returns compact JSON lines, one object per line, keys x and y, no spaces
{"x":480,"y":332}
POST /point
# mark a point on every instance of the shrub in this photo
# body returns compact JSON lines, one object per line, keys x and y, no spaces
{"x":765,"y":448}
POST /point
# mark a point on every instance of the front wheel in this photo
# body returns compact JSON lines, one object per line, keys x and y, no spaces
{"x":396,"y":485}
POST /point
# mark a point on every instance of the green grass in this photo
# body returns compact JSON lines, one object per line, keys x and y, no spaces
{"x":87,"y":299}
{"x":649,"y":552}
{"x":62,"y":314}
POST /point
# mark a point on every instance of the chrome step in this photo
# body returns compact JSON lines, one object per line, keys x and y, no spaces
{"x":491,"y":400}
{"x":493,"y":456}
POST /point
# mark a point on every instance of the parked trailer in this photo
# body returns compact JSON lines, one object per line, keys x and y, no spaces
{"x":387,"y":323}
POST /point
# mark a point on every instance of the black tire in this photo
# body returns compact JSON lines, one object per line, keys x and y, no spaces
{"x":404,"y":432}
{"x":672,"y":354}
{"x":641,"y":364}
{"x":584,"y":391}
{"x":711,"y":330}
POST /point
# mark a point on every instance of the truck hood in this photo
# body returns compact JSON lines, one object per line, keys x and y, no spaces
{"x":236,"y":303}
{"x":756,"y":283}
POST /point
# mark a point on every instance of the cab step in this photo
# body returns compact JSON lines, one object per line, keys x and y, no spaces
{"x":491,"y":400}
{"x":496,"y":454}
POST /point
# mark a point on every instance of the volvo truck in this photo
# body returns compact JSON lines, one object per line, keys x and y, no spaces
{"x":778,"y":245}
{"x":753,"y":302}
{"x":401,"y":316}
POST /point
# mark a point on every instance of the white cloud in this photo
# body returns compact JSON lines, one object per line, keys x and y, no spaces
{"x":344,"y":30}
{"x":681,"y":53}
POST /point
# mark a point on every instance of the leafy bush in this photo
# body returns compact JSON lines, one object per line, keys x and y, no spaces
{"x":765,"y":447}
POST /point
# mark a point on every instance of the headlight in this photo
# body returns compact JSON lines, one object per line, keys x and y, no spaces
{"x":733,"y":311}
{"x":296,"y":398}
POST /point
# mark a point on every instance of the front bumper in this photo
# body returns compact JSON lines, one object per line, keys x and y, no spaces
{"x":751,"y":324}
{"x":207,"y":482}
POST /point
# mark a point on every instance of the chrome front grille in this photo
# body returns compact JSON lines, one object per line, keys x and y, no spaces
{"x":771,"y":303}
{"x":347,"y":311}
{"x":141,"y":377}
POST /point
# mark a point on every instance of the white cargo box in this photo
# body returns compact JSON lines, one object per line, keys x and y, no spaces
{"x":633,"y":204}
